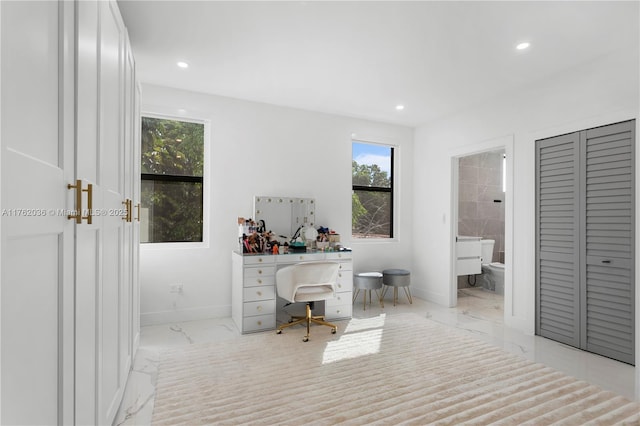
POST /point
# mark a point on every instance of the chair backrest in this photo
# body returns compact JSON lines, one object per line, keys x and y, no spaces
{"x":288,"y":279}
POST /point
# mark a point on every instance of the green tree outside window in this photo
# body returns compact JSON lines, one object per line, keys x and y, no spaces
{"x":372,"y":196}
{"x":172,"y":180}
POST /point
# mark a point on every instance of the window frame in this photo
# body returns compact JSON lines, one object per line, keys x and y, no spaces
{"x":390,"y":190}
{"x":204,"y":180}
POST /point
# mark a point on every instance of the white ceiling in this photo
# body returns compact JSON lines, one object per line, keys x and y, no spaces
{"x":361,"y":58}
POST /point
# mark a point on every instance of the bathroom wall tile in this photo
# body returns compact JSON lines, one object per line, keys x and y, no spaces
{"x":468,"y":174}
{"x":466,"y":227}
{"x":468,"y":210}
{"x":491,"y":160}
{"x":462,"y":282}
{"x":469,"y":161}
{"x":488,"y":210}
{"x":492,"y":227}
{"x":467,"y":192}
{"x":489,"y":177}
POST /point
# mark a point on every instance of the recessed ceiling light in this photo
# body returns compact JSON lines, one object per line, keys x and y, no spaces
{"x":523,"y":45}
{"x":182,"y":64}
{"x":399,"y":107}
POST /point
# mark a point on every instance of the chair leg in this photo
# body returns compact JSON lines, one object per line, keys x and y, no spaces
{"x":308,"y":319}
{"x":308,"y":323}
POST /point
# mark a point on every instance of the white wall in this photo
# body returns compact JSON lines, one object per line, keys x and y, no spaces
{"x":597,"y":93}
{"x":259,"y":149}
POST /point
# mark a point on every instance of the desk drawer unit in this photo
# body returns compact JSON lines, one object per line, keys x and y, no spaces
{"x":254,"y":295}
{"x":341,"y":305}
{"x":258,"y":293}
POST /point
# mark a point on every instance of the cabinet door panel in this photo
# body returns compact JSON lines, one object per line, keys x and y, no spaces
{"x":37,"y":163}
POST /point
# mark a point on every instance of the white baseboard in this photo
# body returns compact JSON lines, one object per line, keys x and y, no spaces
{"x":440,"y":299}
{"x":194,"y":314}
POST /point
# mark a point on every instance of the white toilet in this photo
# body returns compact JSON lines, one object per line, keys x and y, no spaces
{"x":492,"y":272}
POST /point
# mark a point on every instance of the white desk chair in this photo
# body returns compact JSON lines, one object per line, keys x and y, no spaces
{"x":307,"y":282}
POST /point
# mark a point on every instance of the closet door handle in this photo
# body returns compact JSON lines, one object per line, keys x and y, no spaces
{"x":138,"y":210}
{"x":128,"y":205}
{"x":89,"y":192}
{"x":78,"y":211}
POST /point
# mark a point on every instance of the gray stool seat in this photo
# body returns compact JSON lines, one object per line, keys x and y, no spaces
{"x":367,"y":281}
{"x":397,"y":278}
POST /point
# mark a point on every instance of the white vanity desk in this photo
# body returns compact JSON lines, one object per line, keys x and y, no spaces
{"x":254,"y":300}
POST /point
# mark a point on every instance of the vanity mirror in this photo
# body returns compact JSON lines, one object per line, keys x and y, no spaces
{"x":284,"y":215}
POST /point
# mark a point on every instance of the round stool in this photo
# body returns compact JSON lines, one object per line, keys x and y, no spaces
{"x":367,"y":281}
{"x":397,"y":278}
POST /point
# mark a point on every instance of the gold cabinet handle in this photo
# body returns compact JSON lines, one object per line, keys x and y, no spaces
{"x":89,"y":192}
{"x":128,"y":207}
{"x":78,"y":208}
{"x":78,"y":217}
{"x":138,"y":210}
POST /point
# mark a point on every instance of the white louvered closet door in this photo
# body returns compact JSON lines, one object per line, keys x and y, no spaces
{"x":608,"y":267}
{"x":558,"y":242}
{"x":585,"y":213}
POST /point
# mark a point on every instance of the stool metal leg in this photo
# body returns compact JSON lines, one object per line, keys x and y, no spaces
{"x":407,"y":291}
{"x":380,"y":298}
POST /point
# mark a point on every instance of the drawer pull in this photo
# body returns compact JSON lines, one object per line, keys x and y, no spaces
{"x":340,"y":274}
{"x":339,"y":285}
{"x":258,"y":308}
{"x":301,"y":257}
{"x":259,"y":281}
{"x":337,"y":311}
{"x":260,"y":260}
{"x":259,"y":293}
{"x":259,"y":322}
{"x":259,"y":271}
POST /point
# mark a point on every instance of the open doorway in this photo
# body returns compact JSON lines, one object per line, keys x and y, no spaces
{"x":481,"y":215}
{"x":482,"y":208}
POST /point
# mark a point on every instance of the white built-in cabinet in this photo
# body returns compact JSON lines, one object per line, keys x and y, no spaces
{"x":69,"y":286}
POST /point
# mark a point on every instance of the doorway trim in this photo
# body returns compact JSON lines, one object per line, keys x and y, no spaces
{"x":505,"y":143}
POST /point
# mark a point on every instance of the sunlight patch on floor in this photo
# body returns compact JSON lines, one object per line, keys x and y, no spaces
{"x":361,"y":337}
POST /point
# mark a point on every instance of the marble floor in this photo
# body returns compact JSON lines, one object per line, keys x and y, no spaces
{"x":478,"y":313}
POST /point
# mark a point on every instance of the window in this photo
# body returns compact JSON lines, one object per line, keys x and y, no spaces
{"x":372,"y":196}
{"x":172,"y":180}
